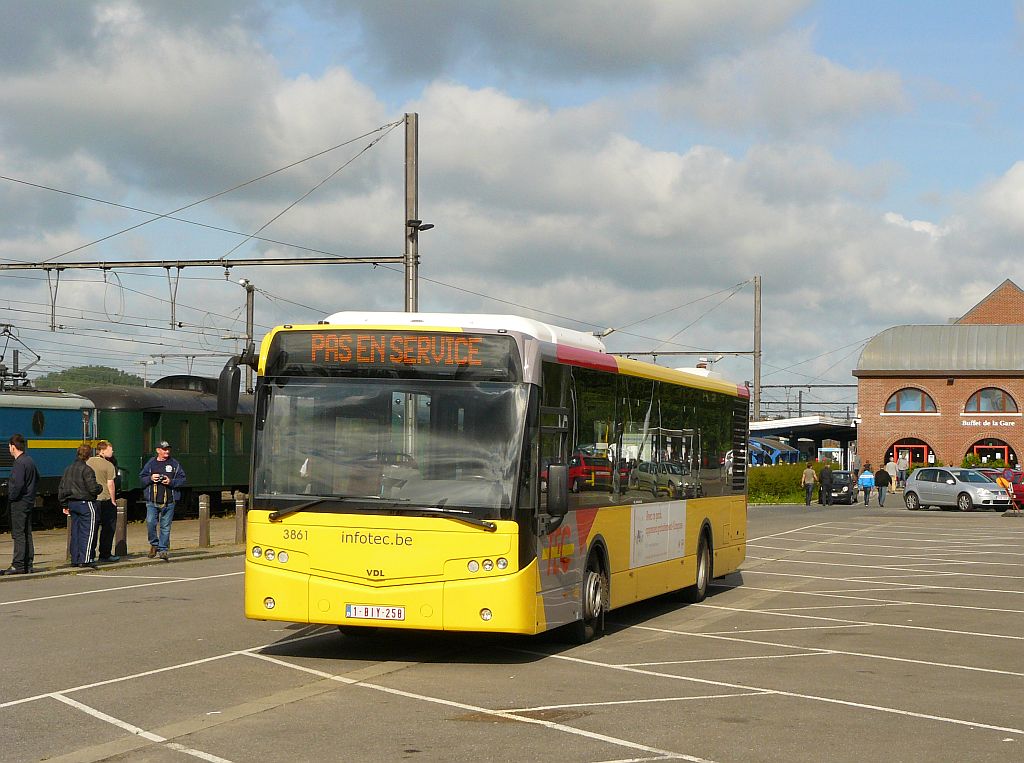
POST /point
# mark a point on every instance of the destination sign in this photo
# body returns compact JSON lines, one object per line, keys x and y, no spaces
{"x":414,"y":351}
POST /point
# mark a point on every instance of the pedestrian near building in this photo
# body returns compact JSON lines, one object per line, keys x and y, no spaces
{"x":902,"y":467}
{"x":882,"y":481}
{"x":77,"y":492}
{"x":162,"y":479}
{"x":807,"y":480}
{"x":866,"y":481}
{"x":21,"y":497}
{"x":894,"y":473}
{"x":826,"y":484}
{"x":106,"y":474}
{"x":856,"y":465}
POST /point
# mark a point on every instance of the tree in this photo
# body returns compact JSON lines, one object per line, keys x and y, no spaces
{"x":82,"y":377}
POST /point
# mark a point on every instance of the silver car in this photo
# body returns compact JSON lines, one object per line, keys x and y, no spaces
{"x":946,"y":486}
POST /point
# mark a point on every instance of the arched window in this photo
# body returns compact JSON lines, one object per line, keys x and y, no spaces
{"x":910,"y":400}
{"x":990,"y":400}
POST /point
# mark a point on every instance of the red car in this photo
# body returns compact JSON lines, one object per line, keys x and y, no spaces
{"x":589,"y":471}
{"x":1016,"y":479}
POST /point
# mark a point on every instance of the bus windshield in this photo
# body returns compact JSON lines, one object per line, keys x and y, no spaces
{"x":392,"y":442}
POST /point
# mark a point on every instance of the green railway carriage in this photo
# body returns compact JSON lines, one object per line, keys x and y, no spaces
{"x":214,"y":451}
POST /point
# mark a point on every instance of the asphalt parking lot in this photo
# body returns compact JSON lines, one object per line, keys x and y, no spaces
{"x":850,"y":634}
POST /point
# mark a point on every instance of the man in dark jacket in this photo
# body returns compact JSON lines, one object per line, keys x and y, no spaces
{"x":882,"y":481}
{"x":21,"y":497}
{"x":77,"y":491}
{"x":162,"y":478}
{"x":825,"y":478}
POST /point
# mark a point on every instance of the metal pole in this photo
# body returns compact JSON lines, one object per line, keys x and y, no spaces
{"x":755,"y":414}
{"x":240,"y":499}
{"x":412,"y":220}
{"x":204,"y":521}
{"x":121,"y":528}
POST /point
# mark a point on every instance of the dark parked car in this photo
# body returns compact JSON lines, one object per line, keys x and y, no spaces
{"x":964,"y":489}
{"x":844,"y":488}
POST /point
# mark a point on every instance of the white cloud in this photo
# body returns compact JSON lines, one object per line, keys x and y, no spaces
{"x":782,"y":87}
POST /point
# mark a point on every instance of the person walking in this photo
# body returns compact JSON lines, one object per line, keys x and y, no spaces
{"x":894,"y":473}
{"x":902,"y":467}
{"x":807,"y":480}
{"x":882,"y":481}
{"x":106,"y":474}
{"x":866,"y":481}
{"x":826,"y":484}
{"x":162,"y":478}
{"x":77,"y":492}
{"x":21,"y":497}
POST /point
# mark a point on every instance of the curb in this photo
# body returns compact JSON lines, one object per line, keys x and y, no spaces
{"x":185,"y":555}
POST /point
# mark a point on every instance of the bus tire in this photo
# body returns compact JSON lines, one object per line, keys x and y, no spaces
{"x":594,"y":603}
{"x":699,"y":590}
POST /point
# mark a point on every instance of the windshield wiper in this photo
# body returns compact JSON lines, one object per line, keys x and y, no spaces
{"x":459,"y":514}
{"x":277,"y":516}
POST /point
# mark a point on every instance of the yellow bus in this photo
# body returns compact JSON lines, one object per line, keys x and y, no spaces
{"x":430,"y":471}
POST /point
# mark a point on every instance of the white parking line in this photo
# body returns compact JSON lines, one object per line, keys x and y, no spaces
{"x":871,"y":602}
{"x":929,"y":557}
{"x":125,"y":726}
{"x":723,"y":636}
{"x":782,"y":693}
{"x":893,"y":568}
{"x":879,"y":580}
{"x":483,"y":710}
{"x":720,"y":659}
{"x":540,"y":708}
{"x":897,"y":626}
{"x":118,"y":588}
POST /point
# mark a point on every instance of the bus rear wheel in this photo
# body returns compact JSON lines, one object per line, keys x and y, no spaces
{"x":699,"y":590}
{"x":594,"y":603}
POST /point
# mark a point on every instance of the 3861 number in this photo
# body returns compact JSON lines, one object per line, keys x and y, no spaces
{"x":290,"y":534}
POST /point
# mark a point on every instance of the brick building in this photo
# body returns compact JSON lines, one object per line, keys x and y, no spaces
{"x":941,"y":392}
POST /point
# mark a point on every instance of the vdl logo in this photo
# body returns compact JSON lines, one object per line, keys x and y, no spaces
{"x":374,"y":573}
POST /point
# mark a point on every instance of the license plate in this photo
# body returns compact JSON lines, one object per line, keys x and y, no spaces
{"x":373,"y":612}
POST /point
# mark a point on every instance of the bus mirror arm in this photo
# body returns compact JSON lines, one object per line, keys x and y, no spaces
{"x":558,"y":490}
{"x":227,"y":389}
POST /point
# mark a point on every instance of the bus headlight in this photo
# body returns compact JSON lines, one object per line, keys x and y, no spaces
{"x":502,"y":563}
{"x":488,"y":565}
{"x":283,"y":557}
{"x":269,"y":602}
{"x":269,"y":554}
{"x":474,"y":566}
{"x":485,"y":614}
{"x":257,"y":552}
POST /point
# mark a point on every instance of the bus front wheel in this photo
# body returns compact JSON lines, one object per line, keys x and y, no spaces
{"x":594,"y":603}
{"x":699,"y":590}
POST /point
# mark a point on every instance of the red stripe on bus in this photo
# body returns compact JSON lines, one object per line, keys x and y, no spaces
{"x":587,"y":358}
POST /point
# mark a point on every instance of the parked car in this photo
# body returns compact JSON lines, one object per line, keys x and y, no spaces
{"x":1015,"y":477}
{"x":964,"y":489}
{"x":589,"y":472}
{"x":844,"y":488}
{"x":666,"y":477}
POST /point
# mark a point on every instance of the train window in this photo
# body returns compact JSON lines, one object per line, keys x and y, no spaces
{"x":214,"y":436}
{"x":38,"y":422}
{"x":183,"y":443}
{"x":238,"y":437}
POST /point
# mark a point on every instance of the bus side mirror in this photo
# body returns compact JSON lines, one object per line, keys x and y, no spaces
{"x":227,"y":389}
{"x":558,"y":490}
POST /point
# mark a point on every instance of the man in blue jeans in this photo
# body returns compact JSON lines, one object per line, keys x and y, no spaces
{"x":162,"y":478}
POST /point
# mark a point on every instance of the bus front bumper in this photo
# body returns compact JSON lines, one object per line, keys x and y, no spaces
{"x":496,"y":604}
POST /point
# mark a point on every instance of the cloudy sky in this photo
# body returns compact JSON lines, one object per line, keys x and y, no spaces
{"x":590,"y":163}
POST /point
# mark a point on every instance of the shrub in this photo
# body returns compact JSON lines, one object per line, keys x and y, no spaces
{"x":777,"y":484}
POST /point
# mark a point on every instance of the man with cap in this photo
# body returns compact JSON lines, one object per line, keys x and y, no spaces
{"x":162,"y":477}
